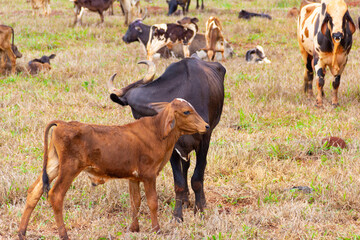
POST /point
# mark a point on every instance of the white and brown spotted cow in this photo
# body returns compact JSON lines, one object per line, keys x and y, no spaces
{"x":215,"y":39}
{"x":167,"y":34}
{"x":325,"y":37}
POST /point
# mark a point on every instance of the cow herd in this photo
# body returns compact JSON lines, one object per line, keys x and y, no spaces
{"x":176,"y":113}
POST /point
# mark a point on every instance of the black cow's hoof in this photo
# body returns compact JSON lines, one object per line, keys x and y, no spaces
{"x":178,"y":219}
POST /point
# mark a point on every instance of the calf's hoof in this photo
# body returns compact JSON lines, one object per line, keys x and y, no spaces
{"x":156,"y":229}
{"x":134,"y":228}
{"x":21,"y":236}
{"x":335,"y":105}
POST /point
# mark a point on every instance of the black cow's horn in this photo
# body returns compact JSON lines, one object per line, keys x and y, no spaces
{"x":145,"y":14}
{"x":111,"y":87}
{"x":151,"y":71}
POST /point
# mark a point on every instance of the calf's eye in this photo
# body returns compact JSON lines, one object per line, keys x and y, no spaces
{"x":187,"y":112}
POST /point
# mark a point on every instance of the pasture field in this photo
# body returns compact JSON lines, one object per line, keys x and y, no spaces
{"x":268,"y":139}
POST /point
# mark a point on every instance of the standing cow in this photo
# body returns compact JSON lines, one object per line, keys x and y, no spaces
{"x":325,"y":38}
{"x":173,"y":4}
{"x":98,"y":6}
{"x":44,"y":4}
{"x":200,"y":83}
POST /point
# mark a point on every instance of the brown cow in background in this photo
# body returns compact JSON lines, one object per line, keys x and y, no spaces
{"x":7,"y":46}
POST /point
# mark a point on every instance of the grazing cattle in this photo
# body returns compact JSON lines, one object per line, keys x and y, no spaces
{"x":293,"y":12}
{"x":131,"y":10}
{"x":248,"y":15}
{"x":213,"y":36}
{"x":324,"y":34}
{"x":256,"y":55}
{"x":8,"y":47}
{"x":200,"y":83}
{"x":43,"y":64}
{"x":98,"y":6}
{"x":137,"y":31}
{"x":173,"y":4}
{"x":137,"y":151}
{"x":162,"y":35}
{"x":44,"y":4}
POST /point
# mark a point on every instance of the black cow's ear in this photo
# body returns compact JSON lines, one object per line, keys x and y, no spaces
{"x":324,"y":25}
{"x":194,"y":20}
{"x":118,"y":100}
{"x":137,"y":28}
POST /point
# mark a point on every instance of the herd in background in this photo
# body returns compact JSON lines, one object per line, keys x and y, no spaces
{"x":324,"y":34}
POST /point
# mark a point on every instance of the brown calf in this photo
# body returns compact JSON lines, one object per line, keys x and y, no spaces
{"x":136,"y":151}
{"x":7,"y":45}
{"x":44,"y":4}
{"x":40,"y":65}
{"x":214,"y":37}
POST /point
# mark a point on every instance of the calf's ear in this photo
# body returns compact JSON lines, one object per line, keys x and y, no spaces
{"x":194,"y":20}
{"x":52,"y":56}
{"x":169,"y":123}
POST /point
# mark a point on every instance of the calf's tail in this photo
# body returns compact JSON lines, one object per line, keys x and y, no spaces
{"x":45,"y":177}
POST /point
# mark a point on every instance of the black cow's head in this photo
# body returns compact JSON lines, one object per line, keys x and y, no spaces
{"x":133,"y":32}
{"x":16,"y":51}
{"x":44,"y":59}
{"x":172,"y":6}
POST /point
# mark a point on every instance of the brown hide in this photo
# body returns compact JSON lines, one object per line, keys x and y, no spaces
{"x":36,"y":67}
{"x":6,"y":34}
{"x":136,"y":151}
{"x":213,"y":35}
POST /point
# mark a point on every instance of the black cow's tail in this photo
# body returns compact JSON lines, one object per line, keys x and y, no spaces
{"x":45,"y":177}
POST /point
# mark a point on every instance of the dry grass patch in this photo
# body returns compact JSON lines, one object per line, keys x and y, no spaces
{"x":268,"y":140}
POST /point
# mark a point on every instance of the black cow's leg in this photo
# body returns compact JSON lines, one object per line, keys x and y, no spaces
{"x":197,"y":180}
{"x":197,"y":4}
{"x":202,"y":4}
{"x":336,"y":84}
{"x":185,"y":168}
{"x":101,"y":16}
{"x":181,"y":193}
{"x":187,"y":5}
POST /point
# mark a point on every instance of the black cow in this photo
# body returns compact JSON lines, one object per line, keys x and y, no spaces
{"x":98,"y":6}
{"x":138,"y":31}
{"x":173,"y":4}
{"x":200,"y":83}
{"x":248,"y":15}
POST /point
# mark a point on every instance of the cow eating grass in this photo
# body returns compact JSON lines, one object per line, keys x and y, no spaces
{"x":8,"y":47}
{"x":215,"y":39}
{"x":137,"y":151}
{"x":325,"y":38}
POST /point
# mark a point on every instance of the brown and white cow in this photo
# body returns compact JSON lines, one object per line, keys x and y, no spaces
{"x":8,"y":47}
{"x":44,"y":4}
{"x":167,"y":34}
{"x":137,"y":151}
{"x":215,"y":40}
{"x":325,"y":38}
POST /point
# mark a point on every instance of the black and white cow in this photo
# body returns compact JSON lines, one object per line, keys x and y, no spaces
{"x":167,"y":34}
{"x":325,"y":38}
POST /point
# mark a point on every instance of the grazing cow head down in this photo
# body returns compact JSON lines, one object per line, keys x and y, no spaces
{"x":173,"y":4}
{"x":16,"y":51}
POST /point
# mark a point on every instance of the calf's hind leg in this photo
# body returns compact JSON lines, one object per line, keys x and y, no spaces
{"x":57,"y":194}
{"x":34,"y":194}
{"x":135,"y":201}
{"x":152,"y":201}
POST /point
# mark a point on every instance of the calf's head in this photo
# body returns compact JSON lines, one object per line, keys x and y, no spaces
{"x":181,"y":116}
{"x":16,"y":51}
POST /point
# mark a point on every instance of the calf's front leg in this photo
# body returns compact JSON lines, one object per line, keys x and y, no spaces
{"x":152,"y":201}
{"x":135,"y":201}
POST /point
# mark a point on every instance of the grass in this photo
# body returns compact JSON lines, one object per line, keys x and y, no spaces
{"x":268,"y":140}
